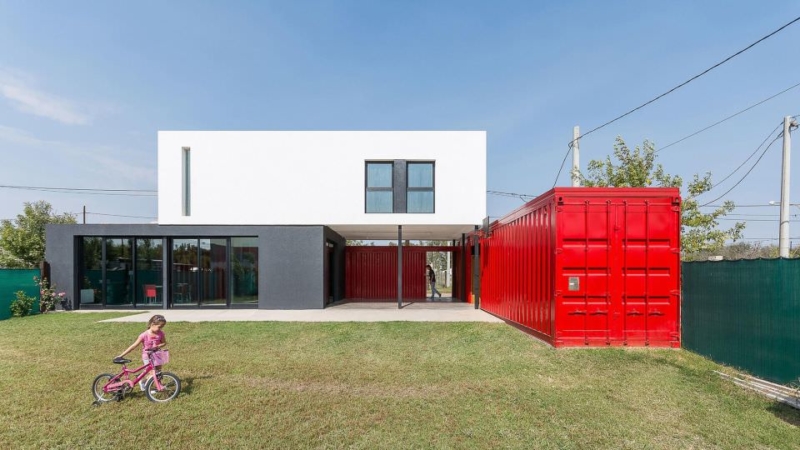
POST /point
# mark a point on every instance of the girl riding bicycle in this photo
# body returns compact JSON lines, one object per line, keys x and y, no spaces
{"x":153,"y":337}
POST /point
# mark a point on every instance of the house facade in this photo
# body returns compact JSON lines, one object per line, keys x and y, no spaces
{"x":260,"y":219}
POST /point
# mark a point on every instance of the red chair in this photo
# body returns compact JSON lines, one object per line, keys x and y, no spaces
{"x":150,"y":294}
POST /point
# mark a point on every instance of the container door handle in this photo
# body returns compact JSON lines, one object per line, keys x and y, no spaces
{"x":578,"y":311}
{"x":656,"y":313}
{"x":600,"y":311}
{"x":634,"y":313}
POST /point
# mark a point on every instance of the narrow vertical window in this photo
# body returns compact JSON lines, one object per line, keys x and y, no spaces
{"x":187,"y":182}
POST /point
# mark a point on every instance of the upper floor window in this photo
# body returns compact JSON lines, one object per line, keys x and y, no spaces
{"x":380,"y":198}
{"x":419,"y":197}
{"x":399,"y":186}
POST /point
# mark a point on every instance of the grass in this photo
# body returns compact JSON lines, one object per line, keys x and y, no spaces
{"x":371,"y":385}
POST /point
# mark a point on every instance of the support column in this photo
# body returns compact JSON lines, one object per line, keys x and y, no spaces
{"x":463,"y":275}
{"x":399,"y":266}
{"x":166,"y":264}
{"x":476,"y":270}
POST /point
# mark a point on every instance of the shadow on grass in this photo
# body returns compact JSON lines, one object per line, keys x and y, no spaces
{"x":786,"y":413}
{"x":187,"y":384}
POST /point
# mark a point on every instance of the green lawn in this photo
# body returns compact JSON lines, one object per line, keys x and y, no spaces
{"x":371,"y":385}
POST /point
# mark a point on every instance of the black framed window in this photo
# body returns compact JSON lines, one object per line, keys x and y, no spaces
{"x":400,"y":186}
{"x":380,"y":197}
{"x":419,"y":195}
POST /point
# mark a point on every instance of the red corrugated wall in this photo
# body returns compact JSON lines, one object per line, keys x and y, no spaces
{"x":371,"y":273}
{"x":588,"y":266}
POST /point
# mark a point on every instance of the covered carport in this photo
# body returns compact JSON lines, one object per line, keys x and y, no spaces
{"x":389,"y":273}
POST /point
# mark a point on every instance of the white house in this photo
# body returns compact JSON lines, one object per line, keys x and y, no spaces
{"x":260,"y":218}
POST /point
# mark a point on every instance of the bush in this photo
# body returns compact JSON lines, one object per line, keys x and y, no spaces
{"x":22,"y":305}
{"x":49,"y":297}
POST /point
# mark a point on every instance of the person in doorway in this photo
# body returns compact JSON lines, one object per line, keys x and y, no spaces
{"x":432,"y":281}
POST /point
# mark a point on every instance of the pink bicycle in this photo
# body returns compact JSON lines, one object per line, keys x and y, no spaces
{"x":163,"y":387}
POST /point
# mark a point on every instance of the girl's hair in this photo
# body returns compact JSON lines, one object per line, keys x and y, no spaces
{"x":157,"y":319}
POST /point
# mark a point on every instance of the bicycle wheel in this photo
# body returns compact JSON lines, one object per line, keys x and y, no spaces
{"x":97,"y":388}
{"x":170,"y":383}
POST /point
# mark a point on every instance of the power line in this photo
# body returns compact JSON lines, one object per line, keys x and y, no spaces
{"x":569,"y":149}
{"x":727,"y":118}
{"x":77,"y":189}
{"x":86,"y":191}
{"x":749,"y":157}
{"x":742,"y":206}
{"x":755,"y":220}
{"x":746,"y":173}
{"x":120,"y":215}
{"x":692,"y":79}
{"x":672,"y":90}
{"x":511,"y":194}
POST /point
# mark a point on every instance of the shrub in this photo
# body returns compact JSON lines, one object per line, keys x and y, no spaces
{"x":22,"y":305}
{"x":49,"y":297}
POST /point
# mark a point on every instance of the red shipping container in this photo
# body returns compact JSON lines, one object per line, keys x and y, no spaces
{"x":588,"y":267}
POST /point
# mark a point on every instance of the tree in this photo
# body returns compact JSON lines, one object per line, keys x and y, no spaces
{"x":22,"y":239}
{"x":637,"y":168}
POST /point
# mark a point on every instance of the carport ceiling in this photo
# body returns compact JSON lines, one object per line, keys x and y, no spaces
{"x":415,"y":232}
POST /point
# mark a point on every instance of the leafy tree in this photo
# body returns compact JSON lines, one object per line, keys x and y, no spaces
{"x":22,"y":239}
{"x":637,"y":168}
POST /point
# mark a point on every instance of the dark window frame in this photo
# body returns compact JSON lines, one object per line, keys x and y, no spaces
{"x":431,"y":189}
{"x":368,"y":189}
{"x":400,"y":187}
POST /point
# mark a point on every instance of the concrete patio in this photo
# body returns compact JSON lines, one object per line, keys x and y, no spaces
{"x":344,"y":312}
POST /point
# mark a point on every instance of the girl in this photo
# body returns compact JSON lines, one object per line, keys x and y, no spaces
{"x":153,"y":337}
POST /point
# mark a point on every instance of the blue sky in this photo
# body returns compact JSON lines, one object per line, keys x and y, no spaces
{"x":84,"y":86}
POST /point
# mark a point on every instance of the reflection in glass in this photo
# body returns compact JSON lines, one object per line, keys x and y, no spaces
{"x":379,"y":175}
{"x":420,"y":175}
{"x":213,"y":271}
{"x":244,"y":263}
{"x":420,"y":202}
{"x":92,"y":270}
{"x":149,"y":276}
{"x":379,"y":202}
{"x":184,"y":271}
{"x":119,"y":272}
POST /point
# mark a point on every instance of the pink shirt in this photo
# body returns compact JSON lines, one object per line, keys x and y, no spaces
{"x":151,"y":340}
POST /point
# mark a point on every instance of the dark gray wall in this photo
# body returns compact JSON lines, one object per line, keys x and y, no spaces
{"x":292,"y":259}
{"x":293,"y":268}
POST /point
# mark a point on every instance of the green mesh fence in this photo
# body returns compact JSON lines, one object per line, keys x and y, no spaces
{"x":745,"y":314}
{"x":13,"y":280}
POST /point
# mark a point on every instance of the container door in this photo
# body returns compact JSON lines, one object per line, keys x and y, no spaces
{"x":649,"y":273}
{"x":586,"y":314}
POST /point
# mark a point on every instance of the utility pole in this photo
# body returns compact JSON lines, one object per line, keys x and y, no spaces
{"x":84,"y":214}
{"x":783,"y":235}
{"x":576,"y":165}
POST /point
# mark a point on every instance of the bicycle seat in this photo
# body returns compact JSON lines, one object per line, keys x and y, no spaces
{"x":119,"y":360}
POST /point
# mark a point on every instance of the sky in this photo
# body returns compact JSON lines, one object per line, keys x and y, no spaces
{"x":85,"y":86}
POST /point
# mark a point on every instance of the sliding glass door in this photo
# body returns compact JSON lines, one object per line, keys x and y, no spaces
{"x":213,"y":272}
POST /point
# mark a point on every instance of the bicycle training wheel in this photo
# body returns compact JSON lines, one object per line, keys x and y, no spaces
{"x":97,"y":388}
{"x":170,"y":383}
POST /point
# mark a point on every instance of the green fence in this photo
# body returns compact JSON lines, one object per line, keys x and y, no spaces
{"x":13,"y":280}
{"x":745,"y":314}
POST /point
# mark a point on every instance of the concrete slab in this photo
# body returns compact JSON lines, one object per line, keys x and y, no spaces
{"x":345,"y":312}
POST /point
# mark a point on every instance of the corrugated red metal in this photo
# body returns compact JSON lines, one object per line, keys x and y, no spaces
{"x":589,"y":266}
{"x":371,"y":273}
